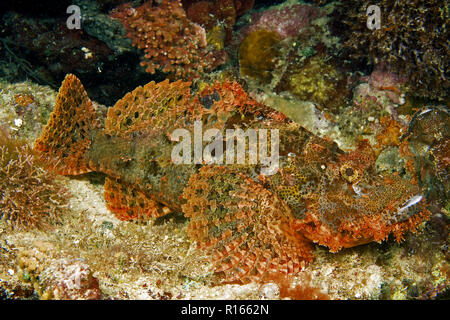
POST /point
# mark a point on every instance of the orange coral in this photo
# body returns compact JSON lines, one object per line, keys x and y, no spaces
{"x":172,"y":42}
{"x":24,"y":99}
{"x":390,"y":133}
{"x":303,"y":291}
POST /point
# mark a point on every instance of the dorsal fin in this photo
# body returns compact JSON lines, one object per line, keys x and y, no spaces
{"x":155,"y":105}
{"x":67,"y":135}
{"x":229,"y":96}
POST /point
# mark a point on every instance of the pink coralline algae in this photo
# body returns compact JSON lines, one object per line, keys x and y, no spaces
{"x":71,"y":281}
{"x":382,"y":79}
{"x":171,"y":41}
{"x":287,"y":22}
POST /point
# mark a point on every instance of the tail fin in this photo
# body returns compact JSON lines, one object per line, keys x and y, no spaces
{"x":68,"y":133}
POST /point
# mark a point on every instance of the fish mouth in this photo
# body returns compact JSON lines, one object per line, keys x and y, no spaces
{"x":407,"y":210}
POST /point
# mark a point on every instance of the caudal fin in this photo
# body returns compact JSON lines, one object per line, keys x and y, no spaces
{"x":68,"y":133}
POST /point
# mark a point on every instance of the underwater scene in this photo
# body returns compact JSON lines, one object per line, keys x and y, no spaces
{"x":224,"y":149}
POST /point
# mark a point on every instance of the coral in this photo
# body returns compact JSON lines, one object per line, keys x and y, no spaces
{"x":172,"y":42}
{"x":413,"y":40}
{"x":373,"y":112}
{"x":369,"y":99}
{"x":66,"y":280}
{"x":426,"y":145}
{"x":383,"y":79}
{"x":301,"y":291}
{"x":288,"y":21}
{"x":50,"y":49}
{"x":390,"y":133}
{"x":31,"y":197}
{"x":320,"y":82}
{"x":211,"y":13}
{"x":44,"y":50}
{"x":299,"y":34}
{"x":122,"y":63}
{"x":56,"y":279}
{"x":257,"y":55}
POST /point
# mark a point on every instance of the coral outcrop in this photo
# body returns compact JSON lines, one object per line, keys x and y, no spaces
{"x":318,"y":81}
{"x":257,"y":55}
{"x":211,"y":13}
{"x":171,"y":41}
{"x":413,"y":39}
{"x":289,"y":21}
{"x":383,"y":79}
{"x":289,"y":49}
{"x":59,"y":279}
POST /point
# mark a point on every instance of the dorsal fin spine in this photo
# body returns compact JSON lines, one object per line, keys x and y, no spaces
{"x":68,"y":133}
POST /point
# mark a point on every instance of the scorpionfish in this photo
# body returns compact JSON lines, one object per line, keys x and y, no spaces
{"x":253,"y":225}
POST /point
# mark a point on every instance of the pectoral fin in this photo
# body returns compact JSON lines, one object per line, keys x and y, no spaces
{"x":127,"y":202}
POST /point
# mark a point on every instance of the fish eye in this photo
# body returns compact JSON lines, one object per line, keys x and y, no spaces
{"x":349,"y":173}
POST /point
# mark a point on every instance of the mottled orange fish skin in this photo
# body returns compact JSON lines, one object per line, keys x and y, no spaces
{"x":253,"y":225}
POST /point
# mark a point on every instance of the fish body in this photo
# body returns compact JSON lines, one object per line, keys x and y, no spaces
{"x":252,"y":224}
